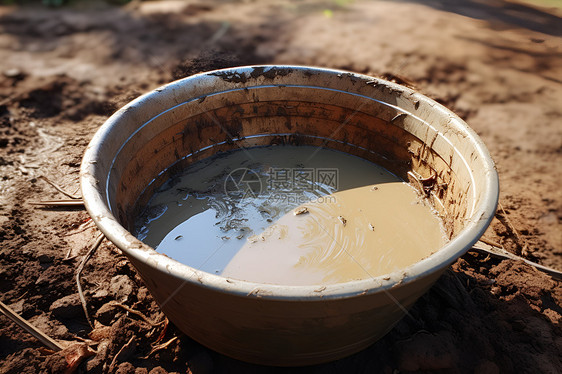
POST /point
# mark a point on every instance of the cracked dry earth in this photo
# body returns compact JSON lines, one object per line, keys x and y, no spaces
{"x":64,"y":71}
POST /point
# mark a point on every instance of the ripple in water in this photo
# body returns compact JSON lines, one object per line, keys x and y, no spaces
{"x":234,"y":215}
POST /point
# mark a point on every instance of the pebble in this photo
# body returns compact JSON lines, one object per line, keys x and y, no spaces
{"x":45,"y":259}
{"x":100,"y":294}
{"x":68,"y":307}
{"x":17,"y":306}
{"x":300,"y":211}
{"x":158,"y":370}
{"x":120,"y":287}
{"x":106,"y":313}
{"x":125,"y":368}
{"x":13,"y":73}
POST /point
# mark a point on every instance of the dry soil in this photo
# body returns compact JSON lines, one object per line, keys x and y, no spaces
{"x":63,"y":71}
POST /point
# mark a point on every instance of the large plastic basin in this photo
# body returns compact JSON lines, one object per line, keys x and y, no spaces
{"x":162,"y":132}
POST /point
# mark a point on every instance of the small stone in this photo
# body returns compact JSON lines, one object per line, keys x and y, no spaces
{"x":125,"y":368}
{"x":143,"y":295}
{"x":13,"y":73}
{"x":100,"y":332}
{"x":158,"y":370}
{"x":49,"y":326}
{"x":100,"y":294}
{"x":121,"y":286}
{"x":45,"y":259}
{"x":67,"y":307}
{"x":300,"y":211}
{"x":43,"y":279}
{"x":59,"y":332}
{"x":122,"y":267}
{"x":106,"y":313}
{"x":17,"y":306}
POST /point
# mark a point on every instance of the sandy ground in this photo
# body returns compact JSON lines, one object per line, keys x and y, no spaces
{"x":64,"y":71}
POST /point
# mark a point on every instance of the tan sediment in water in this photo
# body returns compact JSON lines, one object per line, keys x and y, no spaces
{"x":362,"y":222}
{"x":352,"y":234}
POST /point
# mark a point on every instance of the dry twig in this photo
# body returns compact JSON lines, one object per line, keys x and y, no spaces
{"x":520,"y":241}
{"x":38,"y":334}
{"x":80,"y":267}
{"x":160,"y":347}
{"x":137,"y":313}
{"x":75,"y":355}
{"x":123,"y":349}
{"x":60,"y":189}
{"x":163,"y":332}
{"x":502,"y":253}
{"x":83,"y":227}
{"x":68,"y":257}
{"x":57,"y":203}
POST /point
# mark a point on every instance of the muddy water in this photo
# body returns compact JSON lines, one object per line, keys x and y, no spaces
{"x":290,"y":215}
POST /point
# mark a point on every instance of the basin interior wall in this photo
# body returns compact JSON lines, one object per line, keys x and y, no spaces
{"x":162,"y":133}
{"x":386,"y":133}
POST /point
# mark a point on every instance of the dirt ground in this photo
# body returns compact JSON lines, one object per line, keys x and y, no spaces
{"x":63,"y":71}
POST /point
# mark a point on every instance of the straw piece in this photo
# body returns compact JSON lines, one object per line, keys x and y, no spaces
{"x":137,"y":313}
{"x":53,"y":203}
{"x":84,"y":260}
{"x":520,"y":241}
{"x":58,"y":188}
{"x":502,"y":253}
{"x":161,"y":346}
{"x":24,"y":324}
